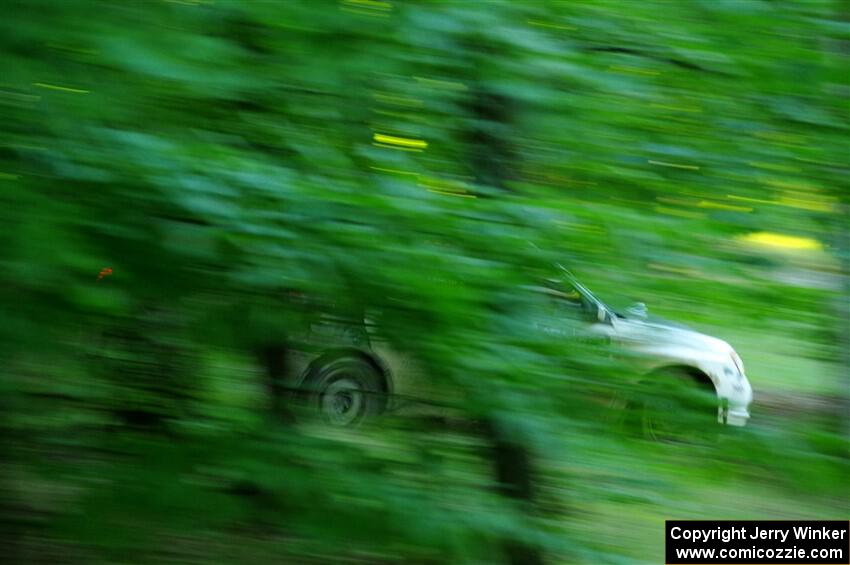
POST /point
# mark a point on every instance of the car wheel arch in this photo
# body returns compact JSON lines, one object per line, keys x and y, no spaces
{"x":696,"y":385}
{"x":699,"y":376}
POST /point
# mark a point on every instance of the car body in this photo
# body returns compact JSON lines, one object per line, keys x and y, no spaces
{"x":337,"y":348}
{"x":663,"y":345}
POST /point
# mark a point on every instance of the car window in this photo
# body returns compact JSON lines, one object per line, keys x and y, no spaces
{"x":571,"y":297}
{"x":564,"y":294}
{"x":554,"y":312}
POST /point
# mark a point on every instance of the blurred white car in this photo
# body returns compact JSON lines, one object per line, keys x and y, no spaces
{"x":664,"y":349}
{"x":348,"y":373}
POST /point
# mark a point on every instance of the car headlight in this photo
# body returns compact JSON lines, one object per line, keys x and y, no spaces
{"x":737,"y":361}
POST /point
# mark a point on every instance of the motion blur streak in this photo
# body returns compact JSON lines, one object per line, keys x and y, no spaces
{"x":333,"y":328}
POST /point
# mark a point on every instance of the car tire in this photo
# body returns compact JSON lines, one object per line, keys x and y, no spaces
{"x":675,"y":408}
{"x":345,"y":391}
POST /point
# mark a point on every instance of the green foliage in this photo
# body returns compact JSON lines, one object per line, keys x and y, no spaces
{"x":401,"y":157}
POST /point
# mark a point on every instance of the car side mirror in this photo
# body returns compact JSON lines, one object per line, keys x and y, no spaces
{"x":637,"y":310}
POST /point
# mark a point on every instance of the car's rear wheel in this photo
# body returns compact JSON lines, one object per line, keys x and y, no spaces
{"x":345,"y":391}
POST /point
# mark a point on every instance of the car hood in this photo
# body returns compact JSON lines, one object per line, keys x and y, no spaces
{"x":661,"y":332}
